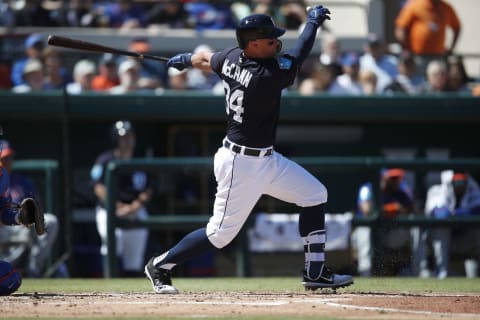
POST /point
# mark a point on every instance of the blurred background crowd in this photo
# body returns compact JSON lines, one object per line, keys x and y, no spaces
{"x":417,"y":62}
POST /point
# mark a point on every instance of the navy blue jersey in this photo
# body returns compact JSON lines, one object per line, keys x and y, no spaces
{"x":253,"y":88}
{"x":130,"y":184}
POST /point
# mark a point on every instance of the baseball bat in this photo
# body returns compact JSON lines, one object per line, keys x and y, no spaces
{"x":95,"y":47}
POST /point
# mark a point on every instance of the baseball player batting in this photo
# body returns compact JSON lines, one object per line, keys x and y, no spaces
{"x":246,"y":166}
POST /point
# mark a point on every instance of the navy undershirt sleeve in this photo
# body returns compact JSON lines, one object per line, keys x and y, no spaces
{"x":304,"y":43}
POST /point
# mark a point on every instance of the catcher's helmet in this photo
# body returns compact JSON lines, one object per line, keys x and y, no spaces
{"x":256,"y":26}
{"x":120,"y":129}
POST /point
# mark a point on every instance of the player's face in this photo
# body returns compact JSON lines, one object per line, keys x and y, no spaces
{"x":267,"y":48}
{"x":126,"y":143}
{"x":459,"y":187}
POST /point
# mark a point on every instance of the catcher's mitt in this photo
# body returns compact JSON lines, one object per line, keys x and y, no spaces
{"x":29,"y":214}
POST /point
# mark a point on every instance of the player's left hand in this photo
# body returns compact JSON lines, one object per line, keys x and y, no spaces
{"x":180,"y":61}
{"x":317,"y":15}
{"x":29,"y":214}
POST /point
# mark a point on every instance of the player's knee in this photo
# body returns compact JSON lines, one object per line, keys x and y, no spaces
{"x":220,"y":241}
{"x":51,"y":221}
{"x":322,"y":194}
{"x":317,"y":197}
{"x":220,"y":237}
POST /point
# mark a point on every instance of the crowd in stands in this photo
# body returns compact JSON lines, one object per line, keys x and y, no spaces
{"x":210,"y":14}
{"x":415,"y":69}
{"x":377,"y":71}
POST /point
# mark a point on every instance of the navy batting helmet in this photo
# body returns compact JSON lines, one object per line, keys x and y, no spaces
{"x":256,"y":26}
{"x":120,"y":129}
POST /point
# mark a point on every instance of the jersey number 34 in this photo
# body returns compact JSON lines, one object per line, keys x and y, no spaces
{"x":234,"y":102}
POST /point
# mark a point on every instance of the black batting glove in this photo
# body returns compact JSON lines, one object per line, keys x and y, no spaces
{"x":317,"y":15}
{"x":180,"y":61}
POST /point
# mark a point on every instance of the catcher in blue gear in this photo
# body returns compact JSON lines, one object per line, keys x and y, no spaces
{"x":26,"y":213}
{"x":246,"y":166}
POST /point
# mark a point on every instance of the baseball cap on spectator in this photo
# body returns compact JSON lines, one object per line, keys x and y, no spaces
{"x":34,"y":40}
{"x":350,"y":59}
{"x":108,"y":59}
{"x":51,"y":5}
{"x":459,"y":178}
{"x":6,"y":149}
{"x":394,"y":173}
{"x":140,"y":45}
{"x":83,"y":68}
{"x":126,"y":65}
{"x":32,"y":65}
{"x":373,"y":40}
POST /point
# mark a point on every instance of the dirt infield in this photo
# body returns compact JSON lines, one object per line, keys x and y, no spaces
{"x":195,"y":305}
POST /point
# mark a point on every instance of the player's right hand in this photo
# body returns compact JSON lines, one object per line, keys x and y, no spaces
{"x":180,"y":61}
{"x":317,"y":15}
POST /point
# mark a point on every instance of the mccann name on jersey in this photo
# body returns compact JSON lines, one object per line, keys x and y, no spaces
{"x":236,"y":73}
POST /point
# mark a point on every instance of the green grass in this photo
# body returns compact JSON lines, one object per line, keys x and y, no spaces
{"x":286,"y":284}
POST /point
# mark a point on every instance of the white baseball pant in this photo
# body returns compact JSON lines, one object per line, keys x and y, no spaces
{"x":131,"y":243}
{"x":242,"y":180}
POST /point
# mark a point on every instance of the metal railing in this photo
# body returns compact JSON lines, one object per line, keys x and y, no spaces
{"x":49,"y":168}
{"x":183,"y":222}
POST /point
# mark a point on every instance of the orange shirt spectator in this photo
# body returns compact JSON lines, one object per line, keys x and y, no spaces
{"x":102,"y":83}
{"x":421,"y":27}
{"x":108,"y":76}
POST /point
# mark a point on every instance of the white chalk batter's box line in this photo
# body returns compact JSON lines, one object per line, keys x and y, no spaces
{"x":331,"y":302}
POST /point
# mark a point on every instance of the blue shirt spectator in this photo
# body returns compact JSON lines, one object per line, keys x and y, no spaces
{"x":34,"y":45}
{"x":378,"y":61}
{"x":210,"y":16}
{"x":124,"y":14}
{"x":396,"y":196}
{"x":458,"y":194}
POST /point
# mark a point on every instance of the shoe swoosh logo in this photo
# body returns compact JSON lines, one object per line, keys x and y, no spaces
{"x":159,"y":258}
{"x":329,"y":279}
